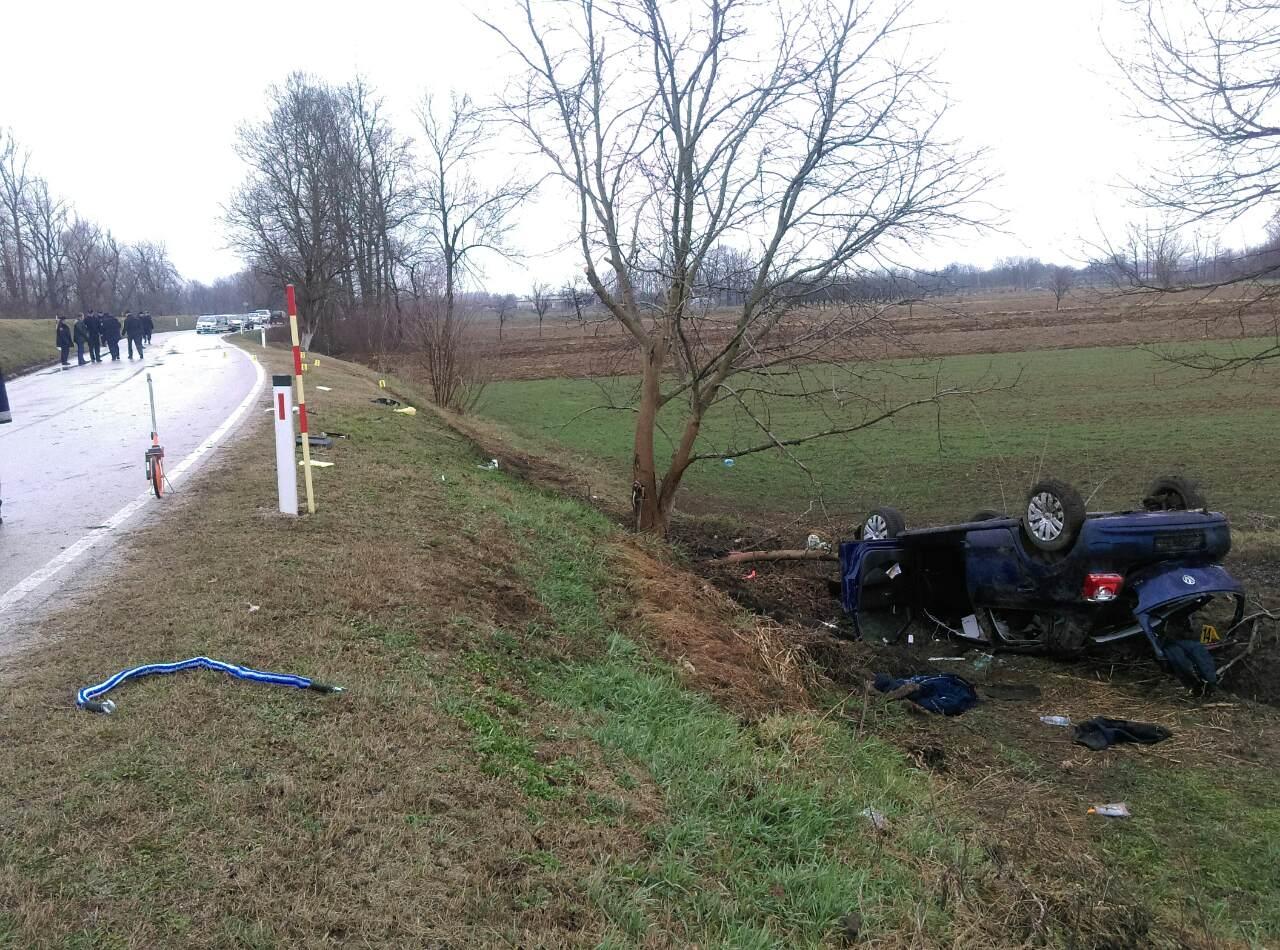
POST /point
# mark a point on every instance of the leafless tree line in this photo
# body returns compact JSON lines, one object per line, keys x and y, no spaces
{"x":52,"y":260}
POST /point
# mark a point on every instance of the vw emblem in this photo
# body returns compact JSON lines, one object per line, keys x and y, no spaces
{"x":1188,"y":579}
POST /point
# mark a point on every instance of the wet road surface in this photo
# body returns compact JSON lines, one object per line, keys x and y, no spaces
{"x":71,"y":462}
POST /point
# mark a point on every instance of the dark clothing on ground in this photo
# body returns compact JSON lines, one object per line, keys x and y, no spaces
{"x":148,"y":327}
{"x":943,"y":693}
{"x":1100,"y":732}
{"x":111,"y":334}
{"x":64,"y":340}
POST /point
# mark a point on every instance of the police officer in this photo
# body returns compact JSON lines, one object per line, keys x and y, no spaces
{"x":64,"y":339}
{"x":111,"y":333}
{"x":94,"y":328}
{"x":133,"y":330}
{"x":148,"y":326}
{"x":80,"y":333}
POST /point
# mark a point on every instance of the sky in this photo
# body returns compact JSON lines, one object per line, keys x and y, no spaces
{"x":130,"y":109}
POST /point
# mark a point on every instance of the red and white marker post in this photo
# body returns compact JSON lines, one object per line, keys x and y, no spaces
{"x":292,"y":307}
{"x":286,"y":465}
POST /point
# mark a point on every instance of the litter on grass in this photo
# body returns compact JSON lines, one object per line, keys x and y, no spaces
{"x":1100,"y":732}
{"x":1115,"y":810}
{"x":254,"y":608}
{"x":325,"y":389}
{"x":90,"y":698}
{"x":315,"y":463}
{"x":489,"y":466}
{"x":321,"y":441}
{"x":385,"y":401}
{"x":1056,"y":720}
{"x":943,"y":693}
{"x":878,"y":821}
{"x":406,"y":410}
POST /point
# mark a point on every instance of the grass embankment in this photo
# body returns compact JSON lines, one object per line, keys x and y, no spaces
{"x":514,"y":761}
{"x":1107,"y":419}
{"x":28,"y":344}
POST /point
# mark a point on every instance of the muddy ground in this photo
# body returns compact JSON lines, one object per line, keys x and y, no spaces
{"x":942,"y":326}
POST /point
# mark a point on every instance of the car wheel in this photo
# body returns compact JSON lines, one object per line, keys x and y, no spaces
{"x":987,"y":514}
{"x":1174,"y":493}
{"x":883,"y":523}
{"x":1053,"y":516}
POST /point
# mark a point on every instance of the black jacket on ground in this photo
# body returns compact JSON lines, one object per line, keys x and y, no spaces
{"x":64,"y":335}
{"x":110,"y":328}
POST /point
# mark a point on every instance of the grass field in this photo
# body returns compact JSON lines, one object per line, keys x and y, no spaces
{"x":1107,"y":419}
{"x":526,"y":755}
{"x":26,"y":344}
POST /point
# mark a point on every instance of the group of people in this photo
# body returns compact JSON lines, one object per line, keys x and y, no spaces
{"x":93,"y":330}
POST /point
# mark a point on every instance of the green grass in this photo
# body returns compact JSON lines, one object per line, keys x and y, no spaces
{"x":1107,"y":419}
{"x":765,"y":848}
{"x":27,"y":344}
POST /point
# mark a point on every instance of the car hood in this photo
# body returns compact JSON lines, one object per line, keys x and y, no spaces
{"x":1164,"y":584}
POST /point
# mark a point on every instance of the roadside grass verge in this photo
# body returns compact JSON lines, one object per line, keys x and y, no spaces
{"x":513,"y":763}
{"x":1107,"y":419}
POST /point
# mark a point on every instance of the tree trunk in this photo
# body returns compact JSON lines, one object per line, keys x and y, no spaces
{"x":645,"y":500}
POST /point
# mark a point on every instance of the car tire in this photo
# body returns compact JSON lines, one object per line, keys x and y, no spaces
{"x":1053,"y":515}
{"x":987,"y":514}
{"x":1174,"y":493}
{"x":883,"y":523}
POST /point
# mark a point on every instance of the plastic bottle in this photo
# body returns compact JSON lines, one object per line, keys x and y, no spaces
{"x":1056,"y":720}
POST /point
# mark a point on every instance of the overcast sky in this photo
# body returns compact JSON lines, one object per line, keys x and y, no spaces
{"x":130,"y":108}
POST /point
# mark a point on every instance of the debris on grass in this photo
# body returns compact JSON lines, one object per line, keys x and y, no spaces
{"x":1056,"y":720}
{"x":316,"y":463}
{"x":943,"y":693}
{"x":489,"y":466}
{"x":406,"y":411}
{"x":878,"y":821}
{"x":1100,"y":733}
{"x":90,"y":698}
{"x":385,"y":401}
{"x":254,"y":608}
{"x":325,"y":389}
{"x":1115,"y":810}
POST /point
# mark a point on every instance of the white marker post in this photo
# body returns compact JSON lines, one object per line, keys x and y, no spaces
{"x":286,"y":470}
{"x":264,"y":337}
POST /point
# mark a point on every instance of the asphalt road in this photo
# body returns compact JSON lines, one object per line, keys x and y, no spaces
{"x":71,"y":462}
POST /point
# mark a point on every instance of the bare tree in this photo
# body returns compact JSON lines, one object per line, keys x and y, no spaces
{"x":1205,"y":72}
{"x":540,"y":296}
{"x":464,"y":217}
{"x":677,"y":128}
{"x":503,"y":306}
{"x":1060,"y":281}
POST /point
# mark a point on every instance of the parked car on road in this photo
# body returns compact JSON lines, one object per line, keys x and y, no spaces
{"x":1056,"y":579}
{"x":211,"y":324}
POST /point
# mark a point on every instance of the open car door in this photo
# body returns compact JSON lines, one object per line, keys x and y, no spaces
{"x":877,"y":587}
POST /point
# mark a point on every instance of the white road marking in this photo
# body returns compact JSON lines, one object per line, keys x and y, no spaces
{"x":38,"y":578}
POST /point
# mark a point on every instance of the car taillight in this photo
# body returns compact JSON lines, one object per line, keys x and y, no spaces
{"x":1099,"y":588}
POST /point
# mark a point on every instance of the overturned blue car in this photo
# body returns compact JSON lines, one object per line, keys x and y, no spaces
{"x":1056,"y":579}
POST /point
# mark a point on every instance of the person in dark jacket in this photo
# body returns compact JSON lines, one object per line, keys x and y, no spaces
{"x":94,"y":327}
{"x":133,"y":330}
{"x":148,"y":326}
{"x":64,"y":339}
{"x":80,"y":333}
{"x":111,"y":334}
